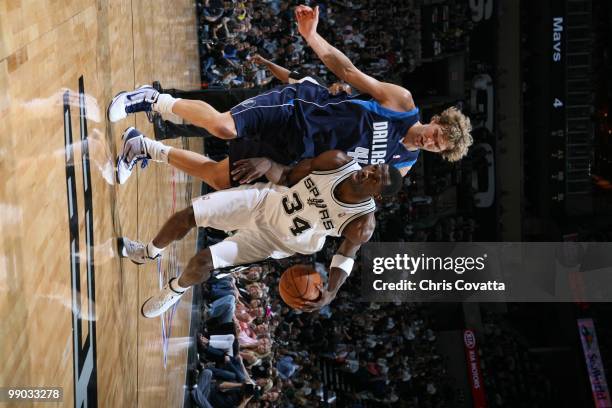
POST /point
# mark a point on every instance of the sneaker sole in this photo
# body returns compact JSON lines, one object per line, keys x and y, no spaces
{"x":120,"y":247}
{"x":142,"y":310}
{"x":117,"y":163}
{"x":123,"y":135}
{"x":111,"y":104}
{"x":117,"y":172}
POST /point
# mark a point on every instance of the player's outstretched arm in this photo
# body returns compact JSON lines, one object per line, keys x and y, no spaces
{"x":281,"y":73}
{"x":393,"y":96}
{"x":249,"y":170}
{"x":357,"y":233}
{"x":329,"y":160}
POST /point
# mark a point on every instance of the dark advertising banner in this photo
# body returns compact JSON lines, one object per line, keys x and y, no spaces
{"x":479,"y":397}
{"x":487,"y":271}
{"x":557,"y":69}
{"x":594,"y":363}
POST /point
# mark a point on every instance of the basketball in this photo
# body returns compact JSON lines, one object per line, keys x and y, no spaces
{"x":299,"y":284}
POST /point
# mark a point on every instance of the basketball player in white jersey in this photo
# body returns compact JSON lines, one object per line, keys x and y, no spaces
{"x":329,"y":195}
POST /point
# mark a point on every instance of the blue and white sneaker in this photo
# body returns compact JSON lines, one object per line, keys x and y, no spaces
{"x":138,"y":100}
{"x":133,"y":150}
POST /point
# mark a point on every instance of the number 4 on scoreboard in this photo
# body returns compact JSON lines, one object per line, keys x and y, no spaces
{"x":557,"y":103}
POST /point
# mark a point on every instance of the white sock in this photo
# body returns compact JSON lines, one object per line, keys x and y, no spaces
{"x":153,"y":251}
{"x":174,"y":285}
{"x":164,"y":103}
{"x":174,"y":118}
{"x":158,"y":151}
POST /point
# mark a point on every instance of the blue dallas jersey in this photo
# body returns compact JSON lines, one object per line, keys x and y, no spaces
{"x":304,"y":120}
{"x":358,"y":125}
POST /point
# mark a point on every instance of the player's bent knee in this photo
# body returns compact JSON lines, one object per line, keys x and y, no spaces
{"x":224,"y":132}
{"x":224,"y":126}
{"x":220,"y":183}
{"x":221,"y":177}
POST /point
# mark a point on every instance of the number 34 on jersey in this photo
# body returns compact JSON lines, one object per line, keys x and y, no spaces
{"x":294,"y":206}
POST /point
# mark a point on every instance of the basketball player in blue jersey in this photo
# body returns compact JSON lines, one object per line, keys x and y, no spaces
{"x":330,"y":195}
{"x":296,"y":121}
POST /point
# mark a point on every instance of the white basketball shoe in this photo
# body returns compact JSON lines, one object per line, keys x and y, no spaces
{"x":164,"y":300}
{"x":138,"y":100}
{"x":134,"y":250}
{"x":133,"y":150}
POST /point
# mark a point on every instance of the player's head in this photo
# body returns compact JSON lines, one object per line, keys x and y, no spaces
{"x":448,"y":134}
{"x":378,"y":180}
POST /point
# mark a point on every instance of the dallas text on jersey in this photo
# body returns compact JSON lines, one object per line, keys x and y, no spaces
{"x":379,"y":146}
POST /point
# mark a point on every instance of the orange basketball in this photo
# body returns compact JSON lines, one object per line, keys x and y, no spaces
{"x":299,"y":284}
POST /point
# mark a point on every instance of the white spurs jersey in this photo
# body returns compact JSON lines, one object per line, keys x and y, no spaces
{"x":302,"y":216}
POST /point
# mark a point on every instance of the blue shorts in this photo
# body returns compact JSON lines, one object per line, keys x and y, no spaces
{"x":277,"y":117}
{"x":265,"y":127}
{"x":268,"y":114}
{"x":272,"y":125}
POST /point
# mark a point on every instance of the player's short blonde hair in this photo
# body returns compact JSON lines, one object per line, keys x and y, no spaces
{"x":457,"y":128}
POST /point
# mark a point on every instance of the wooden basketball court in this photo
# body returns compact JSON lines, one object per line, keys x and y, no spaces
{"x":70,"y":308}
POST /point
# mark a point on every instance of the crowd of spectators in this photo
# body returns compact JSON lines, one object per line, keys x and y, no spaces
{"x":377,"y":35}
{"x":255,"y":351}
{"x":235,"y":342}
{"x":386,"y":352}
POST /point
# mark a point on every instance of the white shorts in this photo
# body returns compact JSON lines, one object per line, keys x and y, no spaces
{"x":238,"y":209}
